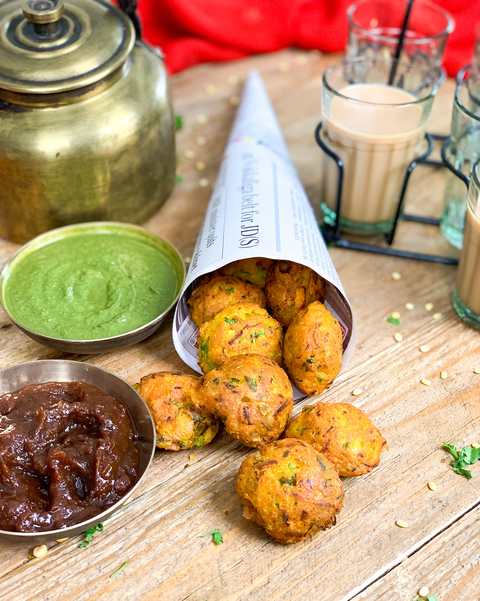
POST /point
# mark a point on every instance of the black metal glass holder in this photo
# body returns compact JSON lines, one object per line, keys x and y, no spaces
{"x":333,"y":235}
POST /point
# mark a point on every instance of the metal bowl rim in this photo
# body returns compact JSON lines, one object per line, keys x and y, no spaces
{"x":87,"y":225}
{"x":63,"y":532}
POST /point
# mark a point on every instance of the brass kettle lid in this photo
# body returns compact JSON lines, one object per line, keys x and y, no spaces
{"x":48,"y":46}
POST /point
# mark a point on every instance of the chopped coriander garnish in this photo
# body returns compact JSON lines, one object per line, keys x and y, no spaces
{"x":204,"y":349}
{"x":89,"y":534}
{"x":462,"y":457}
{"x":178,"y":122}
{"x":230,"y":290}
{"x":120,"y":569}
{"x":217,"y":537}
{"x":230,"y":320}
{"x":257,"y":334}
{"x":252,"y":383}
{"x":395,"y":321}
{"x":178,"y":179}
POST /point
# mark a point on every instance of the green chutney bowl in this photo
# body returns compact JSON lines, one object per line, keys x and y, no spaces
{"x":81,"y":345}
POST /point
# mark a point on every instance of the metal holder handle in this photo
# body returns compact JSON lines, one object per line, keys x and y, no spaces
{"x":333,"y":235}
{"x":129,"y":7}
{"x":449,"y":165}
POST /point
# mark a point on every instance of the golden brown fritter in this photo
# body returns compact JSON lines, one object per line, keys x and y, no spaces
{"x":237,"y":330}
{"x":220,"y":292}
{"x":253,"y":397}
{"x":181,"y":420}
{"x":343,"y":433}
{"x":290,"y":287}
{"x":250,"y":270}
{"x":290,"y":489}
{"x":313,"y":349}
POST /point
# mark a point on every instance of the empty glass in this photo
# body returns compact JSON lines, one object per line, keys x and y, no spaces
{"x":375,"y":25}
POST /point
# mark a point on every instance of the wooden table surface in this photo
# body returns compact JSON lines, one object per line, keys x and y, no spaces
{"x":164,"y":531}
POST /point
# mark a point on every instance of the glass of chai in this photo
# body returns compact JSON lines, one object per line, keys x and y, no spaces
{"x":466,"y":296}
{"x":462,"y":150}
{"x":376,"y":129}
{"x":374,"y":27}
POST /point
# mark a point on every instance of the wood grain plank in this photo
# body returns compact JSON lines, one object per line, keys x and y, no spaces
{"x":448,"y":566}
{"x":164,"y":530}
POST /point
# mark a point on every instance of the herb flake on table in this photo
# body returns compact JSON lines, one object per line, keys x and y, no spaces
{"x":217,"y":538}
{"x":178,"y":122}
{"x":89,"y":534}
{"x":120,"y":569}
{"x":462,"y":458}
{"x":393,"y":320}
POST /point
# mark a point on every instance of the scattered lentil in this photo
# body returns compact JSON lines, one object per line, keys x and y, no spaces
{"x":428,"y":306}
{"x":61,"y":540}
{"x":202,"y":118}
{"x":443,"y":375}
{"x":437,"y":316}
{"x":424,"y":591}
{"x":425,"y":382}
{"x":396,"y":275}
{"x":410,"y":306}
{"x":201,"y":141}
{"x":401,"y":524}
{"x":40,"y":551}
{"x":476,"y":370}
{"x":203,"y":183}
{"x":395,"y":315}
{"x":200,"y":166}
{"x":210,"y":89}
{"x":189,"y":154}
{"x":398,"y":337}
{"x":424,"y":348}
{"x":432,"y":486}
{"x":357,"y":391}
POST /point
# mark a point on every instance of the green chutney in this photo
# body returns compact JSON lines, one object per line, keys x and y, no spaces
{"x":91,"y":285}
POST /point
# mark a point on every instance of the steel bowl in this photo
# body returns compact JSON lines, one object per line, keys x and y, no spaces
{"x":38,"y":372}
{"x":98,"y":345}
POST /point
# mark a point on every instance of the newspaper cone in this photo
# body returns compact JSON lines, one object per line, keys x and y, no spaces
{"x":258,"y":209}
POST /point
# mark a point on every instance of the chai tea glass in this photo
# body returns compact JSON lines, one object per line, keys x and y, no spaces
{"x":376,"y":129}
{"x":374,"y":27}
{"x":461,"y":151}
{"x":466,"y":295}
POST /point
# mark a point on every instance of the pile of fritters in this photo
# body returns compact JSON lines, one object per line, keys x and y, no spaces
{"x":256,"y":317}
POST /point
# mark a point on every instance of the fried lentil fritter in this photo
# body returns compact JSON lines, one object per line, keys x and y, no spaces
{"x":290,"y":287}
{"x":343,"y":433}
{"x":240,"y":329}
{"x":313,"y":348}
{"x":181,"y":420}
{"x":250,"y":270}
{"x":290,"y":489}
{"x":253,"y":397}
{"x":219,"y":292}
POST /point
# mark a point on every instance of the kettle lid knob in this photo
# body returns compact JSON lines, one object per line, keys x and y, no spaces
{"x":42,"y":11}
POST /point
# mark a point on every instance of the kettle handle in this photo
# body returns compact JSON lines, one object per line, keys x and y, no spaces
{"x":129,"y":7}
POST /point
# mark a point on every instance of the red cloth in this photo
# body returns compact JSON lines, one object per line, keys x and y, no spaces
{"x":199,"y":31}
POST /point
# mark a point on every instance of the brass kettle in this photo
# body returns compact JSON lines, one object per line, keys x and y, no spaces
{"x":86,"y":123}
